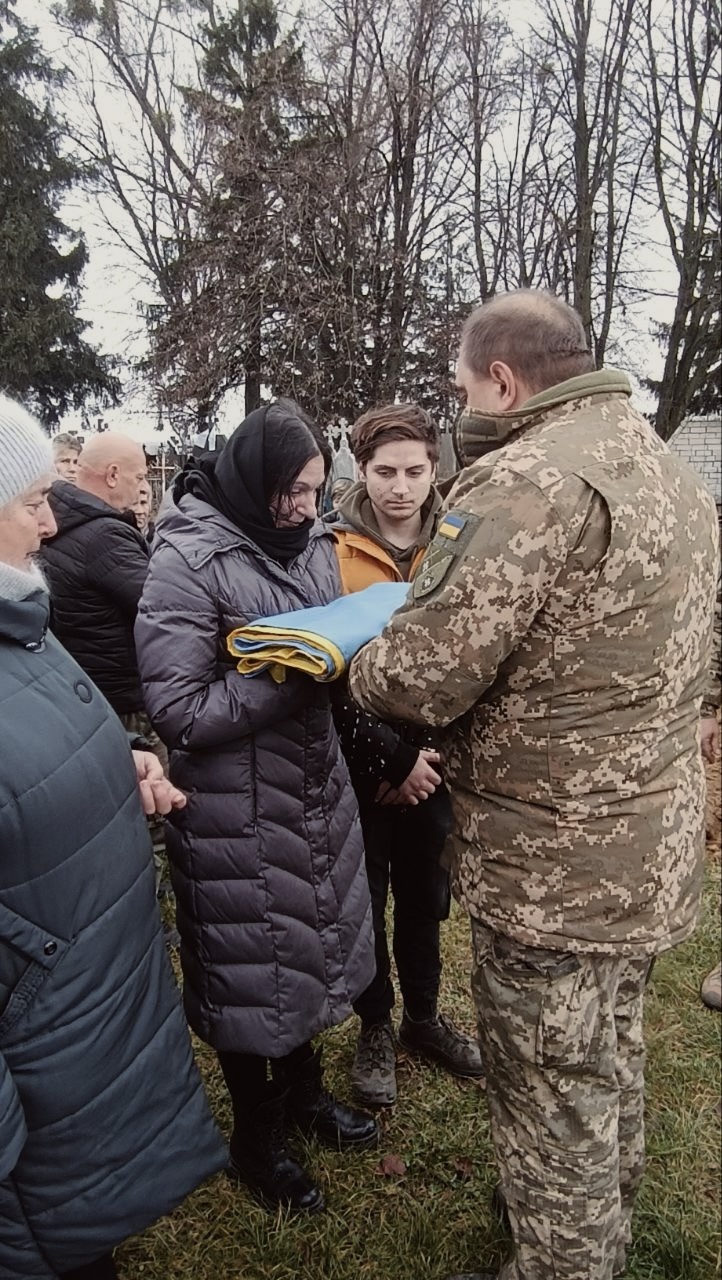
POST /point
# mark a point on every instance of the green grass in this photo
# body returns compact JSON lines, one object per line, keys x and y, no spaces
{"x":435,"y":1219}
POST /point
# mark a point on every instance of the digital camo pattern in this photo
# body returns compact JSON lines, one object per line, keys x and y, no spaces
{"x":713,"y":692}
{"x":566,"y":647}
{"x":561,"y":1040}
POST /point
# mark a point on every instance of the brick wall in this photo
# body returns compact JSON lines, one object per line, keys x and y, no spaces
{"x":699,"y":442}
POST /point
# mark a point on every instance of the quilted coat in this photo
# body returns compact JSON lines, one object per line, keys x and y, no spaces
{"x":267,"y":858}
{"x":104,"y":1125}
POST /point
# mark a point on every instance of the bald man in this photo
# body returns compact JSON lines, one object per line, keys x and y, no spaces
{"x":559,"y":630}
{"x":96,"y":565}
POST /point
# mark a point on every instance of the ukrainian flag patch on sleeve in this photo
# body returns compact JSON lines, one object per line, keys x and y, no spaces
{"x":451,"y":525}
{"x":445,"y":551}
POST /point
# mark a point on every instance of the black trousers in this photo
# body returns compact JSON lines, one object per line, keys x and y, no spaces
{"x":102,"y":1269}
{"x":403,"y":849}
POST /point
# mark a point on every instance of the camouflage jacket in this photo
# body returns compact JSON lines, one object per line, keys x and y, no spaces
{"x":560,"y":627}
{"x":713,"y":693}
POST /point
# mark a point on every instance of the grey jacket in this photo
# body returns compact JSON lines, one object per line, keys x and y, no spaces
{"x":267,"y":858}
{"x":104,"y":1125}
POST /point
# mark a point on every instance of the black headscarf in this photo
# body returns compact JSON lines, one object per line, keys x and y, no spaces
{"x":259,"y":462}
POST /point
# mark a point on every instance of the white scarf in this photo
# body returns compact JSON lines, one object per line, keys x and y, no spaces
{"x":17,"y":584}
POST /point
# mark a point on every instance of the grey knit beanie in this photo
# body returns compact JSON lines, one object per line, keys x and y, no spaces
{"x":26,"y":455}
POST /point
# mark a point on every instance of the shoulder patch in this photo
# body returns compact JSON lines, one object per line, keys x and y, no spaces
{"x":452,"y":525}
{"x":431,"y":573}
{"x":452,"y":535}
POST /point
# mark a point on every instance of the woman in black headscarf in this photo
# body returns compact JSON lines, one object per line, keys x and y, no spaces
{"x":266,"y":858}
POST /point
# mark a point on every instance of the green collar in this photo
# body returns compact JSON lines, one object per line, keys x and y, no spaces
{"x":477,"y":433}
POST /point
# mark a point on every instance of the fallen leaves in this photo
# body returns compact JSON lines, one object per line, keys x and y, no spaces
{"x":391,"y":1166}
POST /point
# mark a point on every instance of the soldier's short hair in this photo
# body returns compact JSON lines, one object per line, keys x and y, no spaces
{"x":391,"y":422}
{"x":537,"y":334}
{"x":65,"y":441}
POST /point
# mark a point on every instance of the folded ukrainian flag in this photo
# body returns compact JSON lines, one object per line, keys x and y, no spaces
{"x":320,"y":641}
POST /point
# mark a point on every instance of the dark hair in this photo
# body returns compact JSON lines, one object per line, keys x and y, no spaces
{"x":324,"y":448}
{"x":391,"y":422}
{"x":537,"y":334}
{"x":288,"y":446}
{"x":65,"y":441}
{"x":252,"y":475}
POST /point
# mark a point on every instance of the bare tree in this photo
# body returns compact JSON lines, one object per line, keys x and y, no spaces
{"x":684,"y":105}
{"x":185,"y":190}
{"x":132,"y":60}
{"x":317,"y":207}
{"x":389,"y":76}
{"x":131,"y":64}
{"x":565,"y":170}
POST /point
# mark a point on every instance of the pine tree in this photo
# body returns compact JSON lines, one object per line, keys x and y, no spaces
{"x":43,"y":357}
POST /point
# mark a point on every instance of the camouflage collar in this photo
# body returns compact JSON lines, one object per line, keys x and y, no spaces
{"x":477,"y":433}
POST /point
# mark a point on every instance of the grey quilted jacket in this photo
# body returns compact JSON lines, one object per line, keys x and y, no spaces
{"x":104,"y":1125}
{"x":267,"y":857}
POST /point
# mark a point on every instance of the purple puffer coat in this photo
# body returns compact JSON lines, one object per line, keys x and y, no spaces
{"x":267,"y":857}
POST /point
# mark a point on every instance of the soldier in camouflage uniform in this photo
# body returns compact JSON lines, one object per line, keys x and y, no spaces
{"x":559,"y":628}
{"x":711,"y":989}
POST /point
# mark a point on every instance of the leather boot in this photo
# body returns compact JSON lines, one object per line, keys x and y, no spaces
{"x":261,"y":1159}
{"x":317,"y":1112}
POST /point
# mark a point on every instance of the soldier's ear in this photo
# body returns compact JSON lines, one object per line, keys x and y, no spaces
{"x":509,"y":390}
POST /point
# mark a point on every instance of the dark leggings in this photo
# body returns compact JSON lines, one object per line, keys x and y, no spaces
{"x":246,"y":1076}
{"x":403,"y":851}
{"x":102,"y":1269}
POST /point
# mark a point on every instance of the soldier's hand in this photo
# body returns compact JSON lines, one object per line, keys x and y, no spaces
{"x":709,"y":738}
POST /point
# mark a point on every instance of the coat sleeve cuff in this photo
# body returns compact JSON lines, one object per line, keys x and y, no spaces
{"x":400,"y":764}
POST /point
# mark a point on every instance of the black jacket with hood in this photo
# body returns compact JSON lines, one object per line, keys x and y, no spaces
{"x":96,"y":565}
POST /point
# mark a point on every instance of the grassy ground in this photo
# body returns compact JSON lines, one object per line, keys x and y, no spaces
{"x":429,"y":1216}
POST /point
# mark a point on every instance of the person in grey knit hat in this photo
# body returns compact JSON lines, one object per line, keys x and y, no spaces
{"x":26,"y":471}
{"x":26,"y":451}
{"x":104,"y":1125}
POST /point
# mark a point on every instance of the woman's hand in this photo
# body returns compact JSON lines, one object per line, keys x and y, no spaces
{"x":157,"y":793}
{"x":709,"y":737}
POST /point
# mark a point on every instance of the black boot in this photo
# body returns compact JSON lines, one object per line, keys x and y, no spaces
{"x":316,"y":1111}
{"x":261,"y":1159}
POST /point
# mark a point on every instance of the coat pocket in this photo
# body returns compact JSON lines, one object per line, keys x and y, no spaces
{"x":17,"y":996}
{"x":28,"y":955}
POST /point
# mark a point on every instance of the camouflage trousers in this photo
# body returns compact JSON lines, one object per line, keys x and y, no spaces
{"x":138,"y":722}
{"x":561,"y":1039}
